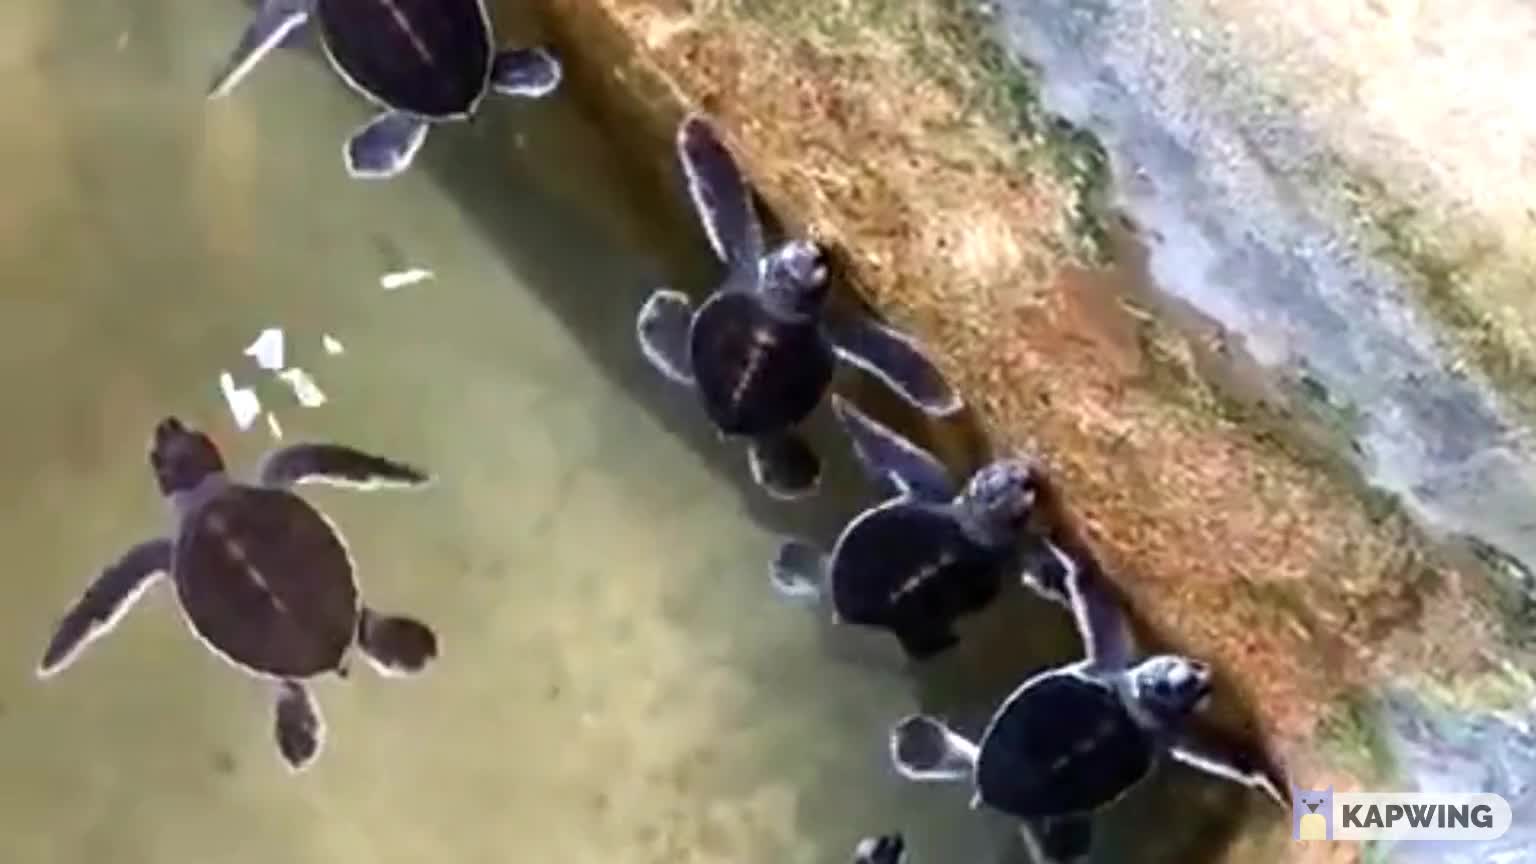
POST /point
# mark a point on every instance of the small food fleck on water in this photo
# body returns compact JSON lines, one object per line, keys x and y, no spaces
{"x":273,"y":426}
{"x":304,"y":387}
{"x":402,"y":278}
{"x":332,"y":345}
{"x":268,"y":349}
{"x":243,"y":404}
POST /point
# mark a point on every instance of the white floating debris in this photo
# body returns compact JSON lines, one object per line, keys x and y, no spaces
{"x":332,"y":345}
{"x":243,"y":403}
{"x":402,"y":278}
{"x":304,"y":387}
{"x":273,"y":426}
{"x":268,"y":349}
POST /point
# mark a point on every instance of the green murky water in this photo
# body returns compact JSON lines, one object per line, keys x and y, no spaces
{"x":617,"y":682}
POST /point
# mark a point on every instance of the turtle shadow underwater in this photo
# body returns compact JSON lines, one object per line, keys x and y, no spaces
{"x":596,"y":299}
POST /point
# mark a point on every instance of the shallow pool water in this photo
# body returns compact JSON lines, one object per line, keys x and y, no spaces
{"x":617,"y":682}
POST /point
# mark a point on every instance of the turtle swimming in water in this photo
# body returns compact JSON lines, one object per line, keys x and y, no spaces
{"x":262,"y":577}
{"x":422,"y":61}
{"x":1072,"y":740}
{"x":759,"y":351}
{"x":927,"y":555}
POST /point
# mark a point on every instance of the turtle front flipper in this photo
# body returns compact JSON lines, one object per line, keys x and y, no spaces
{"x":925,"y":750}
{"x":784,"y":465}
{"x":396,"y":646}
{"x":1100,"y":618}
{"x":274,"y":20}
{"x":384,"y":146}
{"x":1231,"y":761}
{"x":798,"y":572}
{"x":105,"y":602}
{"x":299,"y":728}
{"x":663,"y":328}
{"x":1045,"y":569}
{"x":531,"y":73}
{"x":337,"y":465}
{"x":896,"y":359}
{"x":720,"y":194}
{"x":894,"y":464}
{"x":1060,"y":839}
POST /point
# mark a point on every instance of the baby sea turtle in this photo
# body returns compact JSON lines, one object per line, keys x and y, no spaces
{"x":262,"y":577}
{"x":759,"y":351}
{"x":916,"y":562}
{"x":1074,"y":739}
{"x":422,"y":61}
{"x":881,"y":849}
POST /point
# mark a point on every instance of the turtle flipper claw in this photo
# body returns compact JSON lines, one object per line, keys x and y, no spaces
{"x":798,"y":571}
{"x":894,"y":464}
{"x":384,"y":146}
{"x":104,"y":603}
{"x":896,"y":359}
{"x":274,"y":20}
{"x":662,"y":329}
{"x":531,"y":73}
{"x":784,"y":466}
{"x":336,"y":465}
{"x":299,"y":728}
{"x":396,"y":646}
{"x":720,"y":194}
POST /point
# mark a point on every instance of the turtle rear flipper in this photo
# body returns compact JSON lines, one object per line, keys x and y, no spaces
{"x":896,"y":359}
{"x":924,"y":640}
{"x":1060,"y":839}
{"x":105,"y":602}
{"x":894,"y":464}
{"x":384,"y":146}
{"x":663,"y":328}
{"x":881,"y":849}
{"x":299,"y":728}
{"x":337,"y":465}
{"x":720,"y":194}
{"x":396,"y":646}
{"x":924,"y":749}
{"x":798,"y":572}
{"x":531,"y":73}
{"x":784,"y":465}
{"x":274,"y":20}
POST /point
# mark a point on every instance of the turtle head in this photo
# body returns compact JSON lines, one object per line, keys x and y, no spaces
{"x":996,"y":503}
{"x":182,"y":456}
{"x":1170,"y":687}
{"x":794,"y":278}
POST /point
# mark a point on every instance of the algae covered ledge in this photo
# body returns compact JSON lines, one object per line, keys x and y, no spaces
{"x":904,"y":136}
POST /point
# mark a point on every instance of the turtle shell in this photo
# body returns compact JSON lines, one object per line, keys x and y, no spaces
{"x":757,"y":374}
{"x":905,"y":563}
{"x":428,"y":57}
{"x":1063,"y":743}
{"x":266,"y":582}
